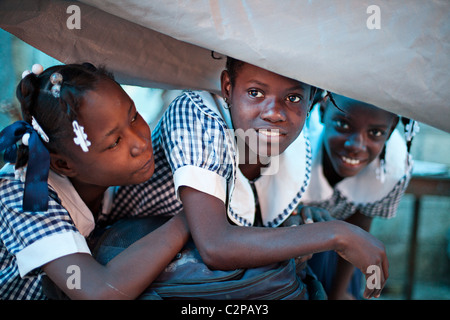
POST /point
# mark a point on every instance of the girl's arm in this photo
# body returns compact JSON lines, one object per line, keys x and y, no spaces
{"x":344,"y":270}
{"x":129,"y":273}
{"x":225,"y":246}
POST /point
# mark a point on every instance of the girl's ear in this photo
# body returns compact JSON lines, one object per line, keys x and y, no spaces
{"x":62,"y":165}
{"x":225,"y":84}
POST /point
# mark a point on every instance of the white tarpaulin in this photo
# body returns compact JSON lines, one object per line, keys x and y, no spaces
{"x":393,"y":54}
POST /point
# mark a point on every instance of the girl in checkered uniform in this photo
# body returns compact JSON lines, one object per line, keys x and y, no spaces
{"x":361,"y":168}
{"x":81,"y":134}
{"x":241,"y":165}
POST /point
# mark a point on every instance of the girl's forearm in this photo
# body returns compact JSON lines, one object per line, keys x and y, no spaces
{"x":140,"y":264}
{"x":244,"y":247}
{"x":128,"y":274}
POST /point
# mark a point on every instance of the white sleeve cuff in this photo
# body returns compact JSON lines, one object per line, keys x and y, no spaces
{"x":201,"y":179}
{"x":48,"y":249}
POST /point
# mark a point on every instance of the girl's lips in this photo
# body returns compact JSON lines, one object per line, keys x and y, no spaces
{"x":272,"y":136}
{"x":147,"y":165}
{"x":351,"y":161}
{"x":270,"y":132}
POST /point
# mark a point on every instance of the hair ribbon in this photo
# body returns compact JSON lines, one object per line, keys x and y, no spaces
{"x":35,"y":197}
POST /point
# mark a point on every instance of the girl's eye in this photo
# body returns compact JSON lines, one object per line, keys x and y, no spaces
{"x":341,"y":124}
{"x":377,"y":133}
{"x":114,"y":144}
{"x":294,"y":98}
{"x":135,"y":117}
{"x":255,"y":93}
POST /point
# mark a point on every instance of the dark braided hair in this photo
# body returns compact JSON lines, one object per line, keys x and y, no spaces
{"x":55,"y":115}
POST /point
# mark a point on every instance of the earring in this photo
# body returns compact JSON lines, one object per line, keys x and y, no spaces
{"x":227,"y":105}
{"x":381,"y":170}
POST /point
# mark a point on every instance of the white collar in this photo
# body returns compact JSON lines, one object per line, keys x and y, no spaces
{"x":71,"y":200}
{"x":364,"y":187}
{"x":278,"y":193}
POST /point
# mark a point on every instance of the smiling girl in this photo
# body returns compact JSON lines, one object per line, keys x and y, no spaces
{"x":241,"y":165}
{"x":361,"y":168}
{"x":81,"y":134}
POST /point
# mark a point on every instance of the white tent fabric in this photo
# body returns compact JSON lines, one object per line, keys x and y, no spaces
{"x":402,"y":65}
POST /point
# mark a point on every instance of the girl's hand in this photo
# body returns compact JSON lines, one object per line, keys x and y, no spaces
{"x":314,"y":214}
{"x":307,"y":214}
{"x":368,"y":254}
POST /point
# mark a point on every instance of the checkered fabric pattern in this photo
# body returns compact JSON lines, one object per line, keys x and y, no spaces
{"x":341,"y":208}
{"x":153,"y":197}
{"x":20,"y":229}
{"x":192,"y":134}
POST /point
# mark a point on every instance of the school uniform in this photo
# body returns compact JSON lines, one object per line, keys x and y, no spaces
{"x":29,"y":240}
{"x":197,"y":135}
{"x":362,"y":193}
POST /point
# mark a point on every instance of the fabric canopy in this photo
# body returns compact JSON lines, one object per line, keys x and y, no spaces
{"x":392,"y":54}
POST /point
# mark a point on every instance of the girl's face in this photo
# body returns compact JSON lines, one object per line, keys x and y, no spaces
{"x":355,"y":138}
{"x":266,"y":106}
{"x":121,"y":151}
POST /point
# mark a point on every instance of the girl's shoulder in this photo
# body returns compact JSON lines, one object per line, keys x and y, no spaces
{"x":199,"y":104}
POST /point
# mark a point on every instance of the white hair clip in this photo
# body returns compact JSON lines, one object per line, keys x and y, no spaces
{"x":20,"y":174}
{"x":80,"y":137}
{"x":37,"y":69}
{"x":411,"y":129}
{"x":39,"y":129}
{"x":56,"y":80}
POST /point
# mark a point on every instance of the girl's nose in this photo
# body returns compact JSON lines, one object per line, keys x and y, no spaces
{"x":139,"y":144}
{"x":273,"y":111}
{"x":355,"y":143}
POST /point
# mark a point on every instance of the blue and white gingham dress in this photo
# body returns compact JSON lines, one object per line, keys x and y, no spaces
{"x":364,"y":192}
{"x":197,"y":137}
{"x":28,"y":240}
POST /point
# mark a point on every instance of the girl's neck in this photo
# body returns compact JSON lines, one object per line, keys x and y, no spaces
{"x":91,"y":195}
{"x":252,"y":165}
{"x":328,"y":171}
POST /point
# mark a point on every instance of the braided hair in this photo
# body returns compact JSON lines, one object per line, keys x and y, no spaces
{"x":55,"y":114}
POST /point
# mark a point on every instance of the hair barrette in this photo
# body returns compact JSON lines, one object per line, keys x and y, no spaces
{"x":80,"y":137}
{"x":56,"y":80}
{"x":39,"y":129}
{"x":37,"y":69}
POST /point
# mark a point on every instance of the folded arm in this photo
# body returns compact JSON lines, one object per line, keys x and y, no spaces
{"x":128,"y":274}
{"x":225,"y":246}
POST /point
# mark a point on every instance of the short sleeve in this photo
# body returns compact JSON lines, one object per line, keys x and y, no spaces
{"x":197,"y":145}
{"x":36,"y":238}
